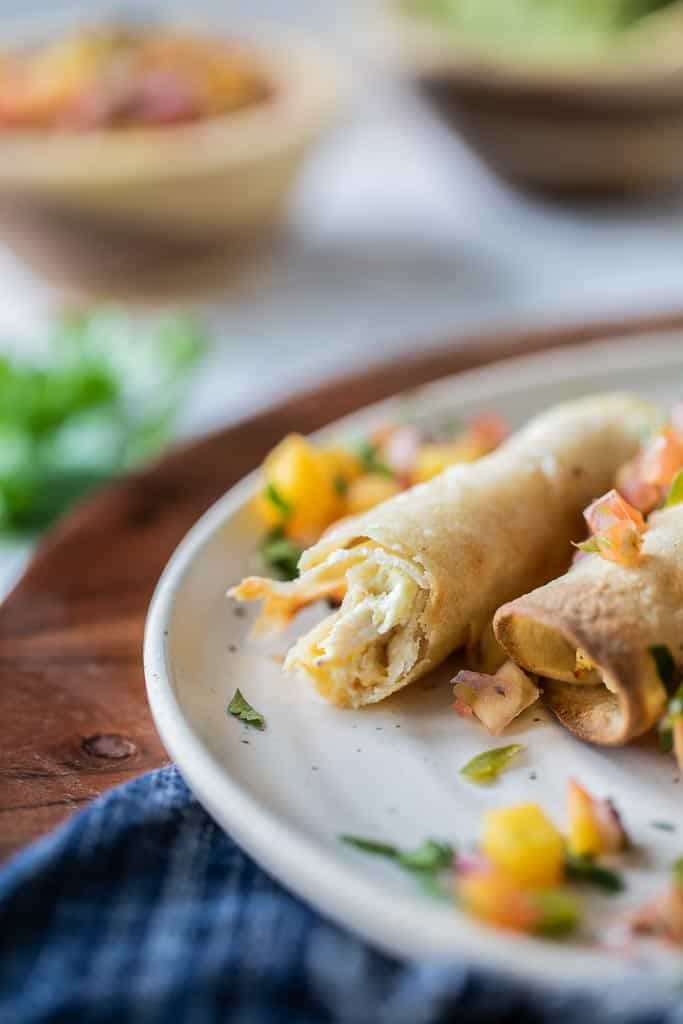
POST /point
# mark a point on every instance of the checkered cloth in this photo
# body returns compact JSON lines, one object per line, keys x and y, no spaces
{"x":142,"y":911}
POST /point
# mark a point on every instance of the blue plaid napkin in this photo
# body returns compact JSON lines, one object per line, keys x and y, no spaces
{"x":142,"y":910}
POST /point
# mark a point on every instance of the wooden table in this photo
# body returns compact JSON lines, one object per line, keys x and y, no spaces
{"x":72,"y":700}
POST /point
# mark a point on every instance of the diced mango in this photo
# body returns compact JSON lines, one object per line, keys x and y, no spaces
{"x":369,"y":490}
{"x":595,"y":826}
{"x":585,"y":835}
{"x":302,"y":483}
{"x":343,"y":464}
{"x":432,"y":459}
{"x":522,"y":842}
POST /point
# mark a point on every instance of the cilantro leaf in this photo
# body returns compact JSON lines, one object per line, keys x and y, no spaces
{"x":666,"y":740}
{"x":240,"y":708}
{"x":675,"y":707}
{"x":280,"y":554}
{"x":368,"y":455}
{"x":666,"y":666}
{"x":341,"y":485}
{"x":430,"y":858}
{"x":276,"y":498}
{"x":584,"y":869}
{"x":559,"y":912}
{"x":589,"y":546}
{"x":675,"y":495}
{"x":371,"y":846}
{"x":488,"y":765}
{"x":102,"y":401}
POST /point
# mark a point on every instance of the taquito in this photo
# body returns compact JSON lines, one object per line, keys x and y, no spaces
{"x":421,"y":575}
{"x":590,"y":634}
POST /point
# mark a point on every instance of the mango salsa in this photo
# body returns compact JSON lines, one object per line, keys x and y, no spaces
{"x":299,"y":493}
{"x":369,"y":490}
{"x":493,"y":897}
{"x":523,"y":843}
{"x":584,"y":835}
{"x":432,"y":459}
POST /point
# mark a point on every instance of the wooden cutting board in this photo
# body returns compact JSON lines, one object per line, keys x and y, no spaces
{"x":72,"y":699}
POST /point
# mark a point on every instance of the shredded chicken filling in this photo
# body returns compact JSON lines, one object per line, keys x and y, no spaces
{"x":375,"y":635}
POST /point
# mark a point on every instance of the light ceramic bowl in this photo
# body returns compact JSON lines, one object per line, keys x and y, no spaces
{"x":569,"y":127}
{"x":104,"y":206}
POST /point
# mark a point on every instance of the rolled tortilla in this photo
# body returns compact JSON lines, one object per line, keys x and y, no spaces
{"x":422,"y":574}
{"x":589,"y":633}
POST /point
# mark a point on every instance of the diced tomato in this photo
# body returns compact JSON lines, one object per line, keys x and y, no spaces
{"x":662,"y":916}
{"x":643,"y":496}
{"x":617,"y":528}
{"x":491,"y":428}
{"x":662,"y":458}
{"x":611,"y":508}
{"x":400,"y":451}
{"x":493,"y":897}
{"x":622,"y":543}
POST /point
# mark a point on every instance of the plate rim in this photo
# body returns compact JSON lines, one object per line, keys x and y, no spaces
{"x":306,"y":869}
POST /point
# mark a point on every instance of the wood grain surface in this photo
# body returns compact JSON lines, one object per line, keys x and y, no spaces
{"x":72,"y":701}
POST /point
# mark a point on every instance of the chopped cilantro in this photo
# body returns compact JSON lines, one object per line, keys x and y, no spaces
{"x":488,"y":765}
{"x":280,"y":554}
{"x":275,"y":498}
{"x":426,"y":861}
{"x":675,"y":708}
{"x":675,"y":495}
{"x":559,"y":912}
{"x":371,"y":846}
{"x":341,"y":485}
{"x":101,"y":401}
{"x":368,"y":455}
{"x":240,"y":708}
{"x":664,"y":826}
{"x":584,"y":869}
{"x":678,"y":871}
{"x":666,"y":741}
{"x":430,"y":856}
{"x":666,"y":666}
{"x":589,"y":546}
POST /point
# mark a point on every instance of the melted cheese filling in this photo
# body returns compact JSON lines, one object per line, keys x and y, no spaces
{"x":375,"y":636}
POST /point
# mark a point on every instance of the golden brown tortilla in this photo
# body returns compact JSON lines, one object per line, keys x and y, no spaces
{"x":612,"y":615}
{"x":422,"y":574}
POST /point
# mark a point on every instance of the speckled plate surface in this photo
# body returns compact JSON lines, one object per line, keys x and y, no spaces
{"x":391,"y":771}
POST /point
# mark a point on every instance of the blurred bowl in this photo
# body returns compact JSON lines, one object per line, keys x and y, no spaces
{"x":593,"y":126}
{"x":106,"y":207}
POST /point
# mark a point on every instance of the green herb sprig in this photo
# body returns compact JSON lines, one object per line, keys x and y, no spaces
{"x":426,"y":862}
{"x":240,"y":708}
{"x":369,"y":456}
{"x":103,"y":400}
{"x":487,"y":766}
{"x":280,"y":555}
{"x":585,"y":869}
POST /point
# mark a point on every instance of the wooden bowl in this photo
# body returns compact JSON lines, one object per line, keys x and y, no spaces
{"x":603,"y":127}
{"x":100,"y":208}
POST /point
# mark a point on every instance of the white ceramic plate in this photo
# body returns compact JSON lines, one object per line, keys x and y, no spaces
{"x":391,"y":771}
